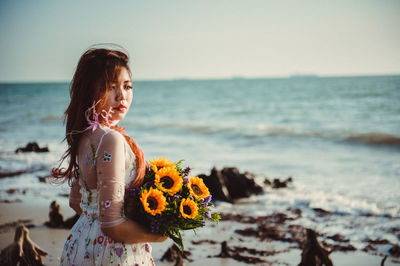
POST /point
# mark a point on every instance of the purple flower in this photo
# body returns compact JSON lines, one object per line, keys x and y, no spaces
{"x":208,"y":214}
{"x":206,"y":200}
{"x":134,"y":191}
{"x":186,"y":180}
{"x":187,"y":170}
{"x":175,"y":197}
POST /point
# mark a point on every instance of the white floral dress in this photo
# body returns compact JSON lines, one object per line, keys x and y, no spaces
{"x":105,"y":172}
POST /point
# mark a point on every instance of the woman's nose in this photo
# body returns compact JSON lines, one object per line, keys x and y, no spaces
{"x":120,"y":94}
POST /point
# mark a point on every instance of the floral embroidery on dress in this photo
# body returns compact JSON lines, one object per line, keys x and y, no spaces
{"x":107,"y":204}
{"x":107,"y":157}
{"x":86,"y":158}
{"x":119,"y":252}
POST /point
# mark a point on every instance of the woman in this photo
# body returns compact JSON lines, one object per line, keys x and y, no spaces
{"x":103,"y":162}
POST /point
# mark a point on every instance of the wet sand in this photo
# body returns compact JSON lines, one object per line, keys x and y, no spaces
{"x":52,"y":240}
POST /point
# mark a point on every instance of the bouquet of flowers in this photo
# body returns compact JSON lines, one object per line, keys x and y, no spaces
{"x":169,"y":200}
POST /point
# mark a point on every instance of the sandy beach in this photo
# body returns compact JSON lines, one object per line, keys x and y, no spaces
{"x":52,"y":241}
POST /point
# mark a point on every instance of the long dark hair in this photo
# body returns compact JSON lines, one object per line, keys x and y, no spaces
{"x":96,"y":69}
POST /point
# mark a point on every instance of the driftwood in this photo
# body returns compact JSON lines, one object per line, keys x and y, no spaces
{"x":173,"y":253}
{"x":23,"y":251}
{"x":313,"y":254}
{"x":56,"y":219}
{"x":234,"y":253}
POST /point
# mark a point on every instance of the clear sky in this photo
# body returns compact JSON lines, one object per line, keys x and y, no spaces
{"x":43,"y":40}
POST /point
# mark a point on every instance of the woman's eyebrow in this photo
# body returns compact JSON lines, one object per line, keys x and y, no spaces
{"x":127,"y":81}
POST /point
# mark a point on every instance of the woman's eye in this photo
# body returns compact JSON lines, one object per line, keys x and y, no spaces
{"x":128,"y":87}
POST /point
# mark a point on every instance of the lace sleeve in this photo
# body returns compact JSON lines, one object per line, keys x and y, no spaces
{"x":110,"y":167}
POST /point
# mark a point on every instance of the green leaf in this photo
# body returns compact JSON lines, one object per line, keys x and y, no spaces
{"x":177,"y":238}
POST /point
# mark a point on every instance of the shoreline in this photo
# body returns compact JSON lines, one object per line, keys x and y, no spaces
{"x":205,"y":243}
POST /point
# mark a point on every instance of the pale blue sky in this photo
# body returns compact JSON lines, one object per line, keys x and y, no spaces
{"x":43,"y":40}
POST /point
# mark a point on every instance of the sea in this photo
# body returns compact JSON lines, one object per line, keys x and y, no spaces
{"x":337,"y":137}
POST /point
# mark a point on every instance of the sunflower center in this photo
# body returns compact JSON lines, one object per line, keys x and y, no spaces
{"x":153,"y":203}
{"x":167,"y":182}
{"x":196,"y":189}
{"x":187,"y":210}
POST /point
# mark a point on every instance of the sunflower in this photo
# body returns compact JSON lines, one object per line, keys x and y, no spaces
{"x":153,"y":201}
{"x":168,"y":180}
{"x":197,"y":188}
{"x":188,"y":209}
{"x":157,"y":164}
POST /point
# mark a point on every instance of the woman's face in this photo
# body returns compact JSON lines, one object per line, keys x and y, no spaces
{"x":119,"y":96}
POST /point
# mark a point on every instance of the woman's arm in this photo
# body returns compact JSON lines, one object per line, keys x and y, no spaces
{"x":110,"y":167}
{"x":130,"y":232}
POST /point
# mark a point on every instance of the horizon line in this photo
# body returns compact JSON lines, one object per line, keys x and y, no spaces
{"x":233,"y":77}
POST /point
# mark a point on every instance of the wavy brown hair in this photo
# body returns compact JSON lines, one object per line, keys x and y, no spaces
{"x":96,"y":69}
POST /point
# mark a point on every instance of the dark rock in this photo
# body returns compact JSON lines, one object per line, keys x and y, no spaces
{"x":11,"y":190}
{"x":338,"y":247}
{"x":32,"y":147}
{"x":369,"y":247}
{"x":227,"y":252}
{"x":14,"y":225}
{"x":338,"y":238}
{"x":15,"y":173}
{"x":395,"y":251}
{"x":216,"y":184}
{"x":267,"y":182}
{"x":198,"y":242}
{"x":281,"y":184}
{"x":10,"y":201}
{"x":313,"y":253}
{"x":240,"y":185}
{"x":56,"y":219}
{"x":174,"y":254}
{"x":55,"y":216}
{"x":70,"y":221}
{"x":321,"y":212}
{"x":377,"y":241}
{"x":11,"y":174}
{"x":229,"y":184}
{"x":42,"y":179}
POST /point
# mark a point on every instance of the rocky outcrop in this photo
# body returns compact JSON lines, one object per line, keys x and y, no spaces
{"x":32,"y":147}
{"x":229,"y":184}
{"x":56,"y":219}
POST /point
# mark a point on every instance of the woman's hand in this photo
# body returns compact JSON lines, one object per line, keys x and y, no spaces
{"x":159,"y":238}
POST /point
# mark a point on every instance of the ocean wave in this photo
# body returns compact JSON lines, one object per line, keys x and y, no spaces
{"x":375,"y":138}
{"x":263,"y":130}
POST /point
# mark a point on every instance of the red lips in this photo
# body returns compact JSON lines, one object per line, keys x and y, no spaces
{"x":120,"y":108}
